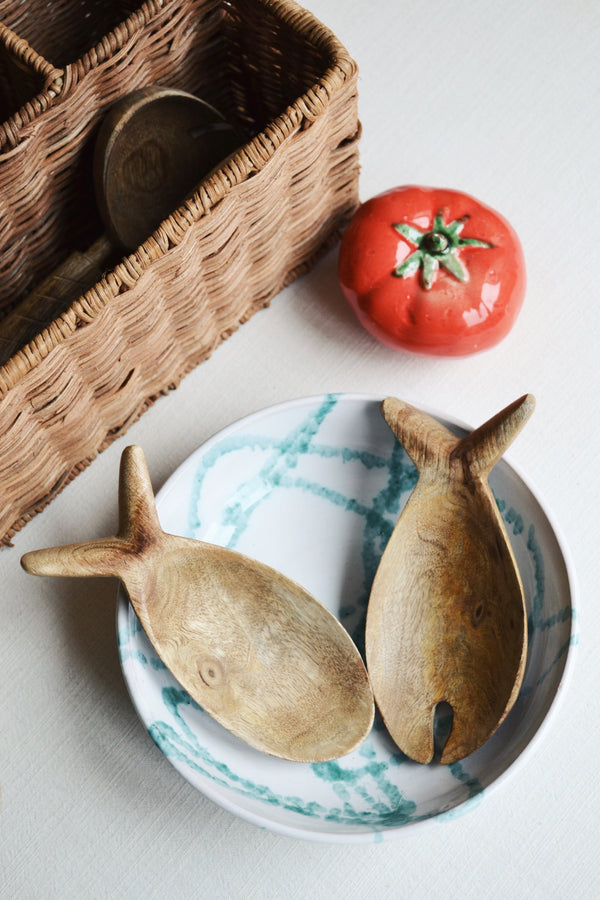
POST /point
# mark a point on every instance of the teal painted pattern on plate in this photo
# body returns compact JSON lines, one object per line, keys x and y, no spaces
{"x":365,"y":787}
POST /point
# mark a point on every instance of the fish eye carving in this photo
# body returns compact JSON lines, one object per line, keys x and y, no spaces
{"x":211,"y":672}
{"x":478,"y":613}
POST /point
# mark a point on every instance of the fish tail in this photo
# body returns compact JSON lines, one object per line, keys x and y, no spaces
{"x":138,"y":527}
{"x":481,"y":450}
{"x":100,"y":557}
{"x":428,"y":443}
{"x":138,"y":518}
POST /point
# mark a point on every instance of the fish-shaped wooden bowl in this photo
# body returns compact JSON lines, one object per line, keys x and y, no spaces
{"x":251,"y":646}
{"x":447,"y":623}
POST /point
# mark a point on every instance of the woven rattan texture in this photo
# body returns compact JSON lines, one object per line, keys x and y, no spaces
{"x":248,"y":230}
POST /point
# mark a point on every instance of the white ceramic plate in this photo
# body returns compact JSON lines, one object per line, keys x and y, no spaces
{"x":314,"y":487}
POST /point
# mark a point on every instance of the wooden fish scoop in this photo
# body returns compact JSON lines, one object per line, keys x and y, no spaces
{"x":446,"y":621}
{"x":252,"y":647}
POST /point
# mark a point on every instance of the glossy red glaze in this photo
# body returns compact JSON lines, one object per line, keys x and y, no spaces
{"x":453,"y":317}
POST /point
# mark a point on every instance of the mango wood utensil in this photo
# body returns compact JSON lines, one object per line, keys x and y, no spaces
{"x":153,"y":147}
{"x":52,"y":296}
{"x":446,"y":621}
{"x":252,"y":647}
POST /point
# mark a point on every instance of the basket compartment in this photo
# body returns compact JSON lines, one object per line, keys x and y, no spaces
{"x":47,"y":203}
{"x":249,"y":229}
{"x":232,"y":55}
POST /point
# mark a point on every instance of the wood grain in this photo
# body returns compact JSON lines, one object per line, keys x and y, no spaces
{"x":446,"y":621}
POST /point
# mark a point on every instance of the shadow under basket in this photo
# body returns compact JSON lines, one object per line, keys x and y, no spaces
{"x":250,"y":228}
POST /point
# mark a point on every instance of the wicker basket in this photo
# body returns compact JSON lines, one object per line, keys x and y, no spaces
{"x":248,"y":230}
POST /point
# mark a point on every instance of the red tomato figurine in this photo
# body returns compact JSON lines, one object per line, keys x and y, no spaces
{"x":432,"y":271}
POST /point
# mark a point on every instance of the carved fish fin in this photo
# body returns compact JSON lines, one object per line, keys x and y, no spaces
{"x":427,"y":442}
{"x":138,"y":518}
{"x":104,"y":556}
{"x":481,"y":450}
{"x":138,"y":527}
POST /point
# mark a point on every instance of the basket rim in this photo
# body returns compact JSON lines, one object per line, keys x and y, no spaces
{"x":14,"y":128}
{"x":250,"y":158}
{"x":115,"y":39}
{"x":59,"y":80}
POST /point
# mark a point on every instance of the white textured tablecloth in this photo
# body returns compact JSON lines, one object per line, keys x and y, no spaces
{"x":500,"y":99}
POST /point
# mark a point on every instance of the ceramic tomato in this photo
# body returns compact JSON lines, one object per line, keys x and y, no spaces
{"x":432,"y":271}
